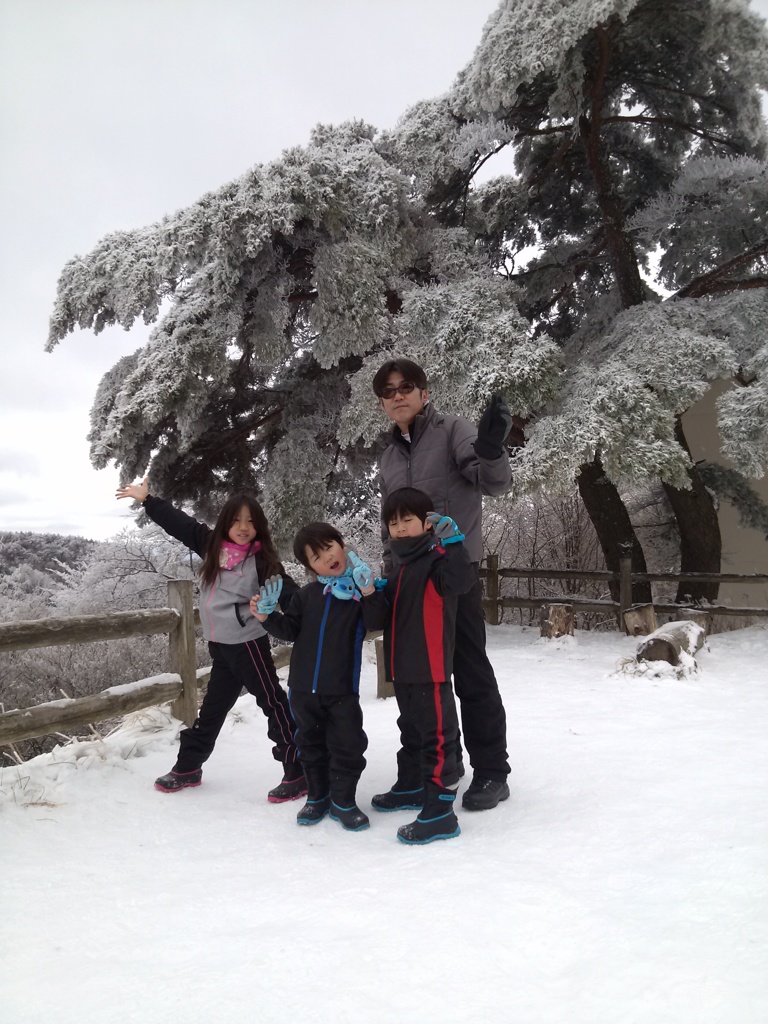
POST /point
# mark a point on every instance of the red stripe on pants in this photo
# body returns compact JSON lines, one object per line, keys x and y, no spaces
{"x":437,"y":777}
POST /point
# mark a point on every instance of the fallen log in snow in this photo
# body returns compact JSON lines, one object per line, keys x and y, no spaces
{"x":669,"y":642}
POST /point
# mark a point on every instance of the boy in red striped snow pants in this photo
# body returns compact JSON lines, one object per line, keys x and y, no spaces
{"x":430,"y":570}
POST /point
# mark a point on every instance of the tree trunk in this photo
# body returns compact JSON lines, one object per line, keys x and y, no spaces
{"x":700,"y":617}
{"x":556,"y":620}
{"x":640,"y":620}
{"x":602,"y":500}
{"x":613,"y":527}
{"x":607,"y":192}
{"x":699,"y":529}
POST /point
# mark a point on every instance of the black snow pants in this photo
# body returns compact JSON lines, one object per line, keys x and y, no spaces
{"x":234,"y":666}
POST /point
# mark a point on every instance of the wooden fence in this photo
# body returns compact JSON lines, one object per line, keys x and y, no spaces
{"x":493,"y":602}
{"x":179,"y":684}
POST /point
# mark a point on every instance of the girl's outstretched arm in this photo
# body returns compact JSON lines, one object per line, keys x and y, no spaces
{"x":175,"y":522}
{"x":138,"y":492}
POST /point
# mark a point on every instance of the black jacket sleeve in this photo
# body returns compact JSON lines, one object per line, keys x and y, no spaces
{"x":375,"y":609}
{"x":453,"y":574}
{"x":178,"y":524}
{"x":286,"y":625}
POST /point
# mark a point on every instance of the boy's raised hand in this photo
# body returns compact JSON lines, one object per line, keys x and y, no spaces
{"x":361,"y":573}
{"x":446,"y":530}
{"x":263,"y":604}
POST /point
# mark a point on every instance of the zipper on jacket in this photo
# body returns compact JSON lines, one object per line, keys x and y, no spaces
{"x":394,"y":620}
{"x":329,"y":598}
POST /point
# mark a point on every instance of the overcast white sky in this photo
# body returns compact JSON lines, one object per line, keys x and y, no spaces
{"x":115,"y":113}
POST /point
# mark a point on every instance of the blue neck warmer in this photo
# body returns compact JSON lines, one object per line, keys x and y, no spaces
{"x":342,"y":586}
{"x":330,"y":579}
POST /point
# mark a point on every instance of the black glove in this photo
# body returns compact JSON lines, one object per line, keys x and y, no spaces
{"x":494,"y":425}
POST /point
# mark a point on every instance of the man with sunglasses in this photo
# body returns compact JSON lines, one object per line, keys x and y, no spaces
{"x":456,"y":463}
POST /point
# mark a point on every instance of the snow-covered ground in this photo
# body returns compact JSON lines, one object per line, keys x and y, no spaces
{"x":624,"y":882}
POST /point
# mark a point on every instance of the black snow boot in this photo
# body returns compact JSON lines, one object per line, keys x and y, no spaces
{"x":318,"y":799}
{"x":351,"y":818}
{"x":314,"y":810}
{"x":174,"y":781}
{"x":436,"y":821}
{"x":293,"y":786}
{"x":402,"y":797}
{"x":484,"y":794}
{"x":343,"y":806}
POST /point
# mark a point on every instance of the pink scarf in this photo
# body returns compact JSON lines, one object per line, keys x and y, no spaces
{"x":232,"y":555}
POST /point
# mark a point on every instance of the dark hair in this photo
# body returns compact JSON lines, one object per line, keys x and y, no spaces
{"x":267,"y":561}
{"x":406,"y":501}
{"x":317,"y":537}
{"x":411,"y":371}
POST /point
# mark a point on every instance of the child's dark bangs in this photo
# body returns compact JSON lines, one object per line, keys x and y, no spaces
{"x":406,"y":501}
{"x":317,"y":537}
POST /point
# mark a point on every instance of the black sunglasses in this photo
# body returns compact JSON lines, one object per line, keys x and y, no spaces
{"x":405,"y":389}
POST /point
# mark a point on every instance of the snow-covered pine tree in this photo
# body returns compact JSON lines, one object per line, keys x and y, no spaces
{"x":279,"y":286}
{"x":639,"y":148}
{"x":274,"y":283}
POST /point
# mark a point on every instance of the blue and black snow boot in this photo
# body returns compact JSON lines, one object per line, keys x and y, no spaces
{"x":436,"y":821}
{"x":351,"y":818}
{"x":314,"y":810}
{"x":318,"y":795}
{"x":402,"y":797}
{"x":343,"y":806}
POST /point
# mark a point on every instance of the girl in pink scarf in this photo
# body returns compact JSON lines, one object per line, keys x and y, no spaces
{"x":237,"y":556}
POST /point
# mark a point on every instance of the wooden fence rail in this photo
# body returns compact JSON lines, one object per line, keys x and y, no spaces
{"x":55,"y":715}
{"x":493,"y":603}
{"x":83,"y":629}
{"x":179,"y":684}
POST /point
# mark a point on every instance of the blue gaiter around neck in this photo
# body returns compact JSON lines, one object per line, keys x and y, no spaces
{"x":340,"y":586}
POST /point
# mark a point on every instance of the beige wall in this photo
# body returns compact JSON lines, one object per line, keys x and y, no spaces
{"x":744,"y":550}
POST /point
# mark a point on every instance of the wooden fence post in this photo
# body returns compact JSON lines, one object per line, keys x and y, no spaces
{"x":492,"y":589}
{"x":384,"y":686}
{"x":181,"y":650}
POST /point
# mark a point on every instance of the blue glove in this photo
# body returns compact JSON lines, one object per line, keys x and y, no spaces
{"x":343,"y":588}
{"x":446,"y":531}
{"x":361,"y":573}
{"x":268,"y":595}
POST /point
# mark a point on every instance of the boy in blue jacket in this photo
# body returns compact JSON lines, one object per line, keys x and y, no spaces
{"x":327,"y":621}
{"x":431,"y":569}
